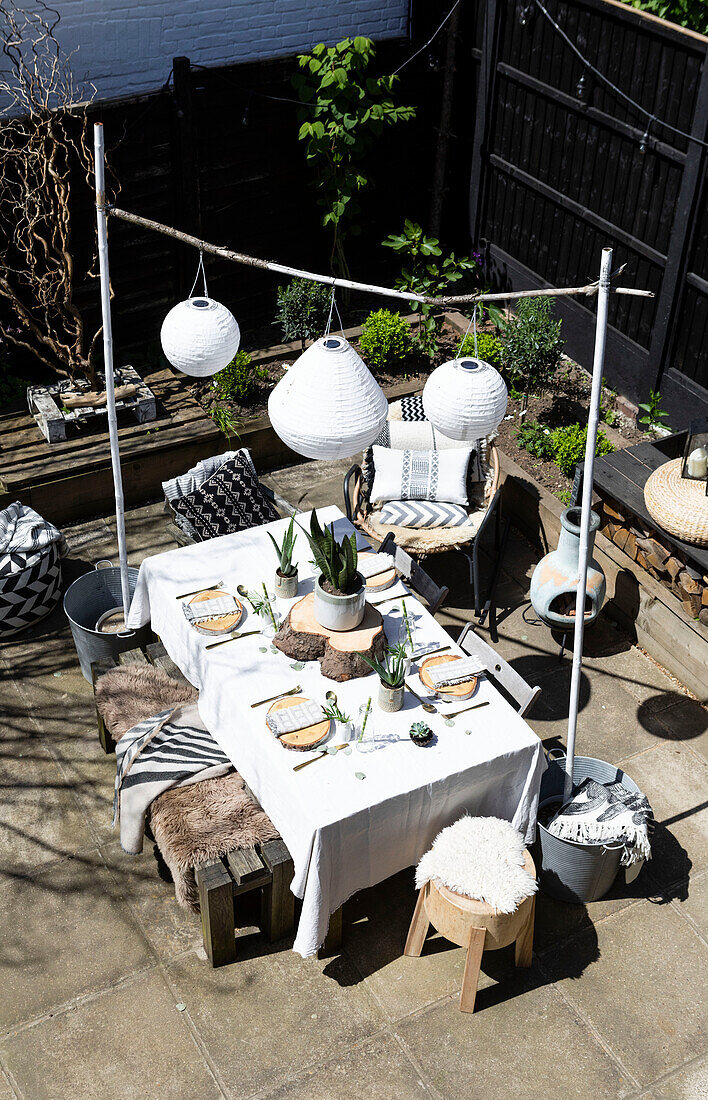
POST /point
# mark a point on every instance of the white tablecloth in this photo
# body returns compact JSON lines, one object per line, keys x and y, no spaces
{"x":344,"y":833}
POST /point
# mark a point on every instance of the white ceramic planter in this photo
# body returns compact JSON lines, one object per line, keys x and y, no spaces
{"x":285,"y":587}
{"x":336,"y":612}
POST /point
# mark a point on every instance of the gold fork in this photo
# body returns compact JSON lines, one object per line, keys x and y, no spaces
{"x":454,"y":713}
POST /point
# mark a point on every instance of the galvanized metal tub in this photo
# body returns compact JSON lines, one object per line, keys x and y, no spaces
{"x":85,"y":601}
{"x":568,"y":870}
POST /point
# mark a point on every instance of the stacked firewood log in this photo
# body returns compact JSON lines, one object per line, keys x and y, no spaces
{"x":667,"y":565}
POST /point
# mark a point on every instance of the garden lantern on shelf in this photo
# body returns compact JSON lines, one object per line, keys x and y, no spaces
{"x":695,"y":453}
{"x":328,"y":404}
{"x":465,"y":399}
{"x":200,"y":336}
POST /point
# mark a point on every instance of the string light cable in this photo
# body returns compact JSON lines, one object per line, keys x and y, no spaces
{"x":651,"y":118}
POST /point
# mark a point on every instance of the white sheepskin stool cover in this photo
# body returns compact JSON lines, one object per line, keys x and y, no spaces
{"x":482,"y":858}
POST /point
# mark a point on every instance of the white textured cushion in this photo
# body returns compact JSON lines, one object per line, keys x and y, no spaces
{"x":482,"y":858}
{"x":424,"y":513}
{"x":420,"y":475}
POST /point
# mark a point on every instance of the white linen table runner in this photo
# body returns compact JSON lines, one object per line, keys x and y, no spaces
{"x":344,"y":833}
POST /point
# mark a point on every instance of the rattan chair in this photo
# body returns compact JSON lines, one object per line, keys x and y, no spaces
{"x":485,"y":513}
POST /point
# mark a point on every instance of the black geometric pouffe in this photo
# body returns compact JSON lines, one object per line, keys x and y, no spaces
{"x":30,"y":569}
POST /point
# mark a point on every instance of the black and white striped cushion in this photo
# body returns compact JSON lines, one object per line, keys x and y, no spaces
{"x":423,"y":513}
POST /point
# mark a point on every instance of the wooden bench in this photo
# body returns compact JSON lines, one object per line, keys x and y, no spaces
{"x":267,"y":867}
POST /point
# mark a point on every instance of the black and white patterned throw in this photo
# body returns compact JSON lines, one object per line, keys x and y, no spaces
{"x":230,"y":500}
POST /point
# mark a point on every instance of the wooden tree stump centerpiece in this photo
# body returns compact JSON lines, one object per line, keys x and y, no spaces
{"x":302,"y":638}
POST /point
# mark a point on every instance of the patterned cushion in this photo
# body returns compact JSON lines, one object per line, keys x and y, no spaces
{"x":423,"y":513}
{"x":420,"y":475}
{"x":412,"y":407}
{"x":27,"y":595}
{"x":230,"y":500}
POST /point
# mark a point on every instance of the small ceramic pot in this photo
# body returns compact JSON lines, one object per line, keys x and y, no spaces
{"x":390,"y":698}
{"x":336,"y":612}
{"x":285,"y":587}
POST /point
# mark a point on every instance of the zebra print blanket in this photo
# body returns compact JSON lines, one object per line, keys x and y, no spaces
{"x":171,"y":749}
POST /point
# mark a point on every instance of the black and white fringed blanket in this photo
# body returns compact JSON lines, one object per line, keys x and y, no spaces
{"x":171,"y":749}
{"x":608,"y":814}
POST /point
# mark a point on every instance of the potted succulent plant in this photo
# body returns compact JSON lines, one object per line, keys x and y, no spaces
{"x":339,"y":589}
{"x":420,"y":734}
{"x":391,"y":673}
{"x":286,"y":573}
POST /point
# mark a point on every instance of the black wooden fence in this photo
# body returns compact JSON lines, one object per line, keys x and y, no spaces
{"x":558,"y":172}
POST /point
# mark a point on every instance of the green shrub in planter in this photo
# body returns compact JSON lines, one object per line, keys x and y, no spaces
{"x":386,"y":341}
{"x":303,"y":309}
{"x":535,"y":439}
{"x":569,"y":447}
{"x":239,"y":380}
{"x":489,"y":348}
{"x":532,"y":345}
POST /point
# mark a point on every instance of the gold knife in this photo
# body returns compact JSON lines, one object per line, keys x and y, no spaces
{"x":204,"y":588}
{"x":454,"y":713}
{"x":232,"y":638}
{"x":316,"y":758}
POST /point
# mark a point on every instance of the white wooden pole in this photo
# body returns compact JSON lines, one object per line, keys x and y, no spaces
{"x":603,"y":297}
{"x":101,"y":220}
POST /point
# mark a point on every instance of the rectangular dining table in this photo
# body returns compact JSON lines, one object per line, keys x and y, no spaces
{"x":351,"y":820}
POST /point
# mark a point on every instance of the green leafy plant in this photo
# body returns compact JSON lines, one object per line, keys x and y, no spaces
{"x":427,"y":275}
{"x":224,"y":419}
{"x":420,"y":733}
{"x":345,"y":111}
{"x":687,"y":13}
{"x":239,"y":380}
{"x":532,"y":345}
{"x":607,"y":412}
{"x":569,"y":446}
{"x":260,"y":602}
{"x":303,"y":309}
{"x":335,"y":714}
{"x":284,"y":552}
{"x":653,"y":412}
{"x":489,"y":348}
{"x":386,"y":341}
{"x":391,"y":670}
{"x":336,"y":560}
{"x":564,"y":496}
{"x":535,"y":438}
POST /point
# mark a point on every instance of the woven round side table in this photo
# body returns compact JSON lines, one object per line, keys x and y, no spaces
{"x":678,"y":504}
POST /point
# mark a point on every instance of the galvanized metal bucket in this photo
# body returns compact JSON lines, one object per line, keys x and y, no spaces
{"x":85,"y":601}
{"x":569,"y":870}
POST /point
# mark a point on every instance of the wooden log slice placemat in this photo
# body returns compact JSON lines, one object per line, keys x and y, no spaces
{"x":222,"y":624}
{"x":302,"y":638}
{"x":304,"y":739}
{"x":381,"y":581}
{"x":454,"y":691}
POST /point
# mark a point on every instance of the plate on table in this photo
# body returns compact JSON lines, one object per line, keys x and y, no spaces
{"x":221,"y":624}
{"x":308,"y":737}
{"x":454,"y":691}
{"x":381,"y":581}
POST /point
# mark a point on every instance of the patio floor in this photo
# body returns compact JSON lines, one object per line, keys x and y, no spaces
{"x":105,"y":990}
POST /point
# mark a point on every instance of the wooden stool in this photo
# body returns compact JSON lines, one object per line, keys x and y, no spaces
{"x":474,"y":925}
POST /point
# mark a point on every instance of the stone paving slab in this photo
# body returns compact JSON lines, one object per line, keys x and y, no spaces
{"x":128,"y":1043}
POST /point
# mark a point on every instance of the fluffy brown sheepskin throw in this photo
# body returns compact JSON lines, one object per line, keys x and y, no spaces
{"x":197,"y":823}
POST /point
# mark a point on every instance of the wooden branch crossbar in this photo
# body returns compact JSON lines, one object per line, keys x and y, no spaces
{"x":349,"y":284}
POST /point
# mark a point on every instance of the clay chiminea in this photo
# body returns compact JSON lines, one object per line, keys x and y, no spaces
{"x":555,"y":579}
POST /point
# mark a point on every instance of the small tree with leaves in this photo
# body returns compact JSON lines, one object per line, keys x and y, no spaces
{"x":345,"y":112}
{"x":43,"y":151}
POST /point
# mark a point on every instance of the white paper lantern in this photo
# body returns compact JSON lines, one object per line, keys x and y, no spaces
{"x":328,"y":404}
{"x":200,"y":336}
{"x":465,"y":399}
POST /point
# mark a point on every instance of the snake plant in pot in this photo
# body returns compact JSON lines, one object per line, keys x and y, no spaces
{"x":286,"y":573}
{"x":391,"y":673}
{"x":339,"y":589}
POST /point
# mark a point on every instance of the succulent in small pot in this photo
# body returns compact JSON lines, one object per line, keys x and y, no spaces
{"x":340,"y":591}
{"x":286,"y":573}
{"x":391,"y":673}
{"x":420,"y":733}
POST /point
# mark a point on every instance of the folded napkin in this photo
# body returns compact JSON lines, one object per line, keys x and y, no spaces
{"x":455,"y":672}
{"x":209,"y":609}
{"x":379,"y":563}
{"x":294,"y":718}
{"x":607,"y":813}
